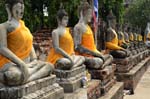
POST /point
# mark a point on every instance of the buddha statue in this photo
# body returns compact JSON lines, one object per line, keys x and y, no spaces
{"x":62,"y":54}
{"x":112,"y":39}
{"x":147,"y":35}
{"x":121,"y":37}
{"x":84,"y":40}
{"x":126,"y":33}
{"x":18,"y":61}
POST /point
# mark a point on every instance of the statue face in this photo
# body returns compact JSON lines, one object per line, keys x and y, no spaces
{"x":18,"y":11}
{"x":88,"y":15}
{"x":64,"y":21}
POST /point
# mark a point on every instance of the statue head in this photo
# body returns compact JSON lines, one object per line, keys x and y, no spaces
{"x":15,"y":8}
{"x":111,"y":20}
{"x":85,"y":11}
{"x":62,"y":17}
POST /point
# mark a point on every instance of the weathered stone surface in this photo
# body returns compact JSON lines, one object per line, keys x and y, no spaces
{"x":132,"y":78}
{"x":125,"y":61}
{"x":93,"y":89}
{"x":51,"y":92}
{"x":105,"y":88}
{"x":116,"y":92}
{"x":71,"y":84}
{"x":18,"y":92}
{"x":78,"y":94}
{"x":69,"y":73}
{"x":103,"y":74}
{"x":70,"y":80}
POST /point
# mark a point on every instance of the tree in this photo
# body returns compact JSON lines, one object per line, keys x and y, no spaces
{"x":115,"y":5}
{"x":3,"y":13}
{"x":138,"y":14}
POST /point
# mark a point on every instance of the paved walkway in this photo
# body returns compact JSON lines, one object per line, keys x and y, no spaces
{"x":142,"y":90}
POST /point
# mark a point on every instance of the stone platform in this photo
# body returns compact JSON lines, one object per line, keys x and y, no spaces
{"x":92,"y":91}
{"x":105,"y":88}
{"x":132,"y":78}
{"x":70,"y":80}
{"x":116,"y":92}
{"x":123,"y":65}
{"x":104,"y":73}
{"x":45,"y":88}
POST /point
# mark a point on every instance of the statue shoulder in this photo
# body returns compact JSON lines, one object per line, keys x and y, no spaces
{"x":110,"y":34}
{"x":79,"y":27}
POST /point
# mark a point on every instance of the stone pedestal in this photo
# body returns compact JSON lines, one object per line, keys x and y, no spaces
{"x":106,"y":87}
{"x":132,"y":78}
{"x":104,"y":73}
{"x":93,"y":89}
{"x":124,"y":65}
{"x":116,"y":92}
{"x":70,"y":80}
{"x":45,"y":88}
{"x":106,"y":76}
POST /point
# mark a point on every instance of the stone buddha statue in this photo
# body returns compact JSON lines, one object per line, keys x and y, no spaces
{"x":126,"y":34}
{"x":112,"y":39}
{"x":121,"y":37}
{"x":147,"y":35}
{"x":84,"y":40}
{"x":62,"y":54}
{"x":18,"y":61}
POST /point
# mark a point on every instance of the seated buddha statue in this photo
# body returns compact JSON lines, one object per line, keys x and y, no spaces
{"x":18,"y":61}
{"x":84,"y":40}
{"x":131,"y":38}
{"x":112,"y":39}
{"x":121,"y":38}
{"x":62,"y":54}
{"x":147,"y":35}
{"x":126,"y":34}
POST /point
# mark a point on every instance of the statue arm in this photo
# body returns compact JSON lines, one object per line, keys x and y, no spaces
{"x":79,"y":47}
{"x":55,"y":39}
{"x":4,"y":51}
{"x":33,"y":55}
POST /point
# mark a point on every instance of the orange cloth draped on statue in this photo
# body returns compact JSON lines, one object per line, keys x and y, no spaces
{"x":113,"y":45}
{"x":19,"y":42}
{"x":88,"y":41}
{"x":66,"y":43}
{"x":131,"y":37}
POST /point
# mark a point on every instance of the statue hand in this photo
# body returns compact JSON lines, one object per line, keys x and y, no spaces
{"x":72,"y":63}
{"x":25,"y":72}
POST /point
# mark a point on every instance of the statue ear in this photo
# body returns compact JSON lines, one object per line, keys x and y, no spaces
{"x":8,"y":11}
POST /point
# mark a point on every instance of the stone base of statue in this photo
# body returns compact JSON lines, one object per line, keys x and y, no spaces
{"x":132,"y":78}
{"x":70,"y":80}
{"x":105,"y":87}
{"x":45,"y":88}
{"x":93,"y":89}
{"x":123,"y":65}
{"x":116,"y":92}
{"x":104,"y":73}
{"x":106,"y":76}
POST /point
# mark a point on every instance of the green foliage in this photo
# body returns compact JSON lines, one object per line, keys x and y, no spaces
{"x":34,"y":18}
{"x":3,"y":13}
{"x":115,"y":5}
{"x":138,"y":13}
